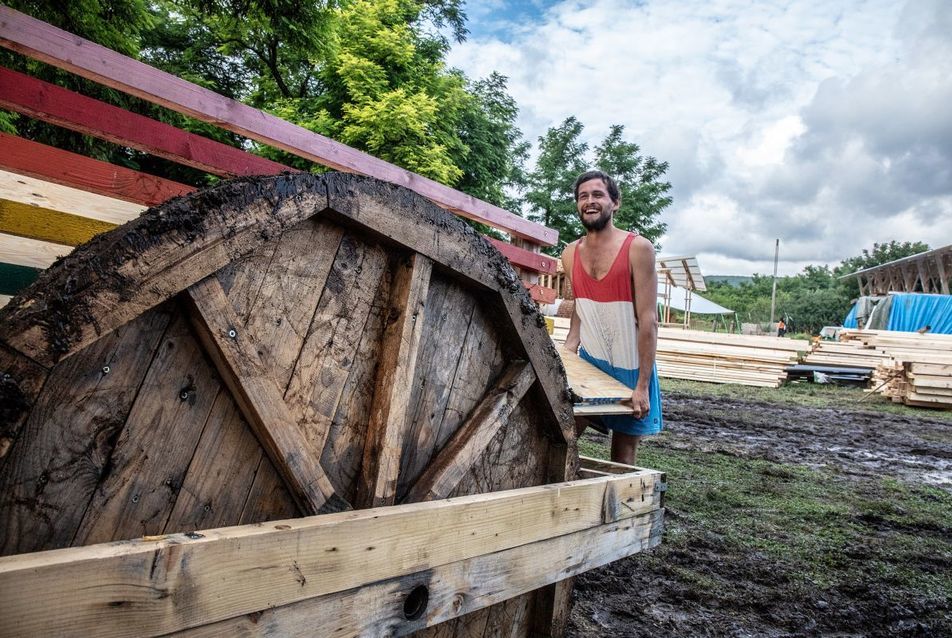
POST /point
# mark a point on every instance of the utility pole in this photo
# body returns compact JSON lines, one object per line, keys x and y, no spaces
{"x":773,"y":294}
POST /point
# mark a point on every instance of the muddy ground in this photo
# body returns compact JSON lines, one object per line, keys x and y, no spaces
{"x":715,"y":586}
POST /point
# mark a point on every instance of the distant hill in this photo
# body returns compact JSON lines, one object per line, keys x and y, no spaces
{"x":733,"y":280}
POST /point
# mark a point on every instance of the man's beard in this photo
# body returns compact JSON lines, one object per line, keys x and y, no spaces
{"x":599,"y":222}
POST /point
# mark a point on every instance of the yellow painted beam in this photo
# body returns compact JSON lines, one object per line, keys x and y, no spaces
{"x":44,"y":224}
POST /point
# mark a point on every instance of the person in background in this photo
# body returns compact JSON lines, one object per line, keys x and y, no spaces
{"x":614,"y":325}
{"x":781,"y":327}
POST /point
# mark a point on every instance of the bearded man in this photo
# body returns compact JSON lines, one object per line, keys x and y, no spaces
{"x":614,"y":325}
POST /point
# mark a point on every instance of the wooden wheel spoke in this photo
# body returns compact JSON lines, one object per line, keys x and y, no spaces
{"x":260,"y":400}
{"x":388,"y":416}
{"x":472,"y":438}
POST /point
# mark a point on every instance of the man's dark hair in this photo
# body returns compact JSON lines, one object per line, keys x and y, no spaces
{"x":610,"y":184}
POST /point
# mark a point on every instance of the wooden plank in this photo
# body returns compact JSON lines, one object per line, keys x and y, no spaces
{"x":450,"y":309}
{"x":50,"y":103}
{"x":522,"y":258}
{"x":31,"y":253}
{"x":260,"y":400}
{"x":64,"y":452}
{"x":136,"y":588}
{"x":453,"y":590}
{"x":48,"y":225}
{"x":5,"y":299}
{"x":602,"y":409}
{"x":326,"y":358}
{"x":135,"y":495}
{"x":78,"y":171}
{"x":396,"y":367}
{"x":42,"y":41}
{"x":37,"y":192}
{"x":221,"y":473}
{"x":591,"y":384}
{"x":468,"y":443}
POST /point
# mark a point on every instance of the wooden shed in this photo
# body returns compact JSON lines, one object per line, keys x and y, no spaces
{"x":320,"y":405}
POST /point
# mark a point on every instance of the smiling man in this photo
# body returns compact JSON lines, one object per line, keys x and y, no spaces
{"x":615,"y":322}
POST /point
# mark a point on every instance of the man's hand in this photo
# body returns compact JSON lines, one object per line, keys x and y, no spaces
{"x":640,"y":403}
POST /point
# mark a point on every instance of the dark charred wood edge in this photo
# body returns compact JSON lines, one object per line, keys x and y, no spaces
{"x":21,"y":381}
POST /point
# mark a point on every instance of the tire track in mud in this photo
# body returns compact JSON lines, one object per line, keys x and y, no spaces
{"x":849,"y":441}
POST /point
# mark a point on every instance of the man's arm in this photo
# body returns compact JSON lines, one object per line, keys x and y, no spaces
{"x":644,"y":280}
{"x":573,"y":339}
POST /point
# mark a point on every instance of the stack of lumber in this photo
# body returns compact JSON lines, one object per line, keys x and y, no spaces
{"x":846,"y":354}
{"x":718,"y":357}
{"x":918,"y":370}
{"x":726,"y":358}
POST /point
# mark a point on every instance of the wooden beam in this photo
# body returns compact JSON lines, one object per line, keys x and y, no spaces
{"x":260,"y":400}
{"x":50,"y":103}
{"x":522,"y":258}
{"x":395,"y":375}
{"x":943,"y":277}
{"x":36,"y":192}
{"x":43,"y":224}
{"x":151,"y":587}
{"x":471,"y":439}
{"x":30,"y":253}
{"x":540,"y":294}
{"x":71,"y":169}
{"x":39,"y":40}
{"x":15,"y":278}
{"x":452,"y":590}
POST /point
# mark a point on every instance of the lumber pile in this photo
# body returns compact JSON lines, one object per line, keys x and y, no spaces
{"x":726,"y":358}
{"x":718,"y":357}
{"x":846,"y":354}
{"x":918,"y":367}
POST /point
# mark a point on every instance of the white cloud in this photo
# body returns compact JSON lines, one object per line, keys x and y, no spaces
{"x":824,"y":124}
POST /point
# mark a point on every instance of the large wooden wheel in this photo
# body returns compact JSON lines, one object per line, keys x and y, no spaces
{"x":270,"y":349}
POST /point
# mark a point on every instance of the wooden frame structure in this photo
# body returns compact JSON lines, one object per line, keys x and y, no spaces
{"x":195,"y":365}
{"x":41,"y":100}
{"x":928,"y":272}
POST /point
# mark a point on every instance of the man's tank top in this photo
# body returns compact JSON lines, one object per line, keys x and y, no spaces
{"x":606,"y":309}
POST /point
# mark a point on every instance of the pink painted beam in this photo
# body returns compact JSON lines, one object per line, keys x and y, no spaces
{"x":56,"y":105}
{"x":45,"y":42}
{"x":70,"y":169}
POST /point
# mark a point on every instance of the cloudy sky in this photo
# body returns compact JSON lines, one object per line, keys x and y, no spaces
{"x":826,"y":124}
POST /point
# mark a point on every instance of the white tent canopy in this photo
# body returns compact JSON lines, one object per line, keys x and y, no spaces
{"x":697,"y":305}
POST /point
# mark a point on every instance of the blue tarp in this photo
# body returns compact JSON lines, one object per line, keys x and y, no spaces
{"x":914,"y":311}
{"x":908,"y":312}
{"x":850,"y":321}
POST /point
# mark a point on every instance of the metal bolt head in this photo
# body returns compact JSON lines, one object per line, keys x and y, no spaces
{"x":106,"y":369}
{"x":183,"y":395}
{"x":232,"y":333}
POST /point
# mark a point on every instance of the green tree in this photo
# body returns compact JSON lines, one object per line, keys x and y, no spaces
{"x":549,"y":195}
{"x":644,"y":193}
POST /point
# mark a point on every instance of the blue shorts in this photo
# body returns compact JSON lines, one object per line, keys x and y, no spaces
{"x":652,"y":423}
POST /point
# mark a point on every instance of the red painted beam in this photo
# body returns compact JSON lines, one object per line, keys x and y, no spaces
{"x":45,"y":42}
{"x":50,"y":103}
{"x":70,"y":169}
{"x":541,"y":294}
{"x":525,"y":259}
